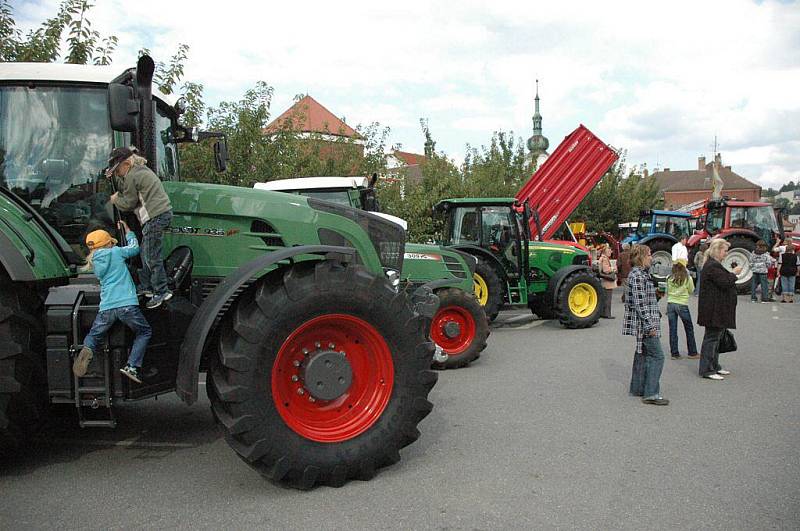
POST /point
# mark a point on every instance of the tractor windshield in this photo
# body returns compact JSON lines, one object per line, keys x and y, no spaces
{"x":760,"y":219}
{"x":54,"y":143}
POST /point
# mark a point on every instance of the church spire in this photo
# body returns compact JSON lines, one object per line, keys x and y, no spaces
{"x":538,"y":143}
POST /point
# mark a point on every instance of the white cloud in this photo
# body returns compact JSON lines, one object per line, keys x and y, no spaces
{"x":658,"y":79}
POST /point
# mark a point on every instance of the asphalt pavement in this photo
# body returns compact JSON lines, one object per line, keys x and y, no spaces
{"x":539,"y":433}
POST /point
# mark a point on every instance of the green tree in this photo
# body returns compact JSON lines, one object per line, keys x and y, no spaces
{"x":43,"y":44}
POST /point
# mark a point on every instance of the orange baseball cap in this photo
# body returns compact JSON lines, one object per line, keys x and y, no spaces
{"x":99,"y":238}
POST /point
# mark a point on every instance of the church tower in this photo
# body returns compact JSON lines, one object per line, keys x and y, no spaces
{"x":538,"y":143}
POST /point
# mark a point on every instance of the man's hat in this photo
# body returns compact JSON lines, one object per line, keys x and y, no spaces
{"x":98,"y":238}
{"x":118,"y":155}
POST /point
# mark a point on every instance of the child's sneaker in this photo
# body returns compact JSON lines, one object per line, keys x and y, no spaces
{"x":132,"y":373}
{"x":156,"y":301}
{"x":82,"y":362}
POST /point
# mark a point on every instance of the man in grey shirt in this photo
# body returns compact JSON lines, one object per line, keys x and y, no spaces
{"x":140,"y":190}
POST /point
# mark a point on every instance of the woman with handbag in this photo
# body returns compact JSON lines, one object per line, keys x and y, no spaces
{"x":608,"y":278}
{"x":716,"y":308}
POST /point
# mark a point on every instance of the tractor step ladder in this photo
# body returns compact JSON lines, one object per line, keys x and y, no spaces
{"x":93,"y":390}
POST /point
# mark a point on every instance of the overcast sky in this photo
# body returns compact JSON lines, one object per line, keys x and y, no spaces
{"x":658,"y":79}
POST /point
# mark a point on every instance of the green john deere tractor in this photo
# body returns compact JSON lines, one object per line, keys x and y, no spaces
{"x":318,"y":366}
{"x":553,"y":280}
{"x":460,"y":326}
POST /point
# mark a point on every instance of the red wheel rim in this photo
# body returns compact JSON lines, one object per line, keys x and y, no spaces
{"x":361,"y":405}
{"x":466,"y":324}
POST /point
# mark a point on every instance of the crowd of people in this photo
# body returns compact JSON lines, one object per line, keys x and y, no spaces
{"x":715,"y":288}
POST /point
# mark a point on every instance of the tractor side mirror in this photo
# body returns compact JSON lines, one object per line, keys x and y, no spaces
{"x":221,"y":154}
{"x":123,"y":108}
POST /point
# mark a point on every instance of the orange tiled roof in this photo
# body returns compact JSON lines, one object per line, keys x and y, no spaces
{"x":410,"y":159}
{"x":310,"y":116}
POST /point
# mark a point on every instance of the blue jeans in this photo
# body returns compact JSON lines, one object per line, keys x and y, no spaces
{"x":756,"y":280}
{"x":709,"y":351}
{"x":133,"y":318}
{"x":787,"y":285}
{"x":647,"y":367}
{"x":675,"y":311}
{"x":152,"y":275}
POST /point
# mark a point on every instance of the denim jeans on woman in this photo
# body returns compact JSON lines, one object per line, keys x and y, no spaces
{"x":647,"y":367}
{"x":787,"y":284}
{"x":756,"y":280}
{"x":709,"y":352}
{"x":152,"y":275}
{"x":133,"y":318}
{"x":675,"y":312}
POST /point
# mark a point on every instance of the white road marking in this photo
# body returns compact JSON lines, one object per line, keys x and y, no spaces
{"x":521,"y":327}
{"x":774,"y":308}
{"x":128,"y":443}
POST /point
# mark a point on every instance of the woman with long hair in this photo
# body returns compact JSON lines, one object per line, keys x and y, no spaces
{"x":679,"y":286}
{"x":716,"y":307}
{"x":643,"y":320}
{"x":608,"y":278}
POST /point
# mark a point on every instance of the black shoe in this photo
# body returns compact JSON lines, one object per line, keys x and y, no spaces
{"x":656,"y":401}
{"x":676,"y":356}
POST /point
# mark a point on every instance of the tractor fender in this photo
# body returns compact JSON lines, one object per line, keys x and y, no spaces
{"x":16,"y":265}
{"x":659,"y":236}
{"x":480,"y":252}
{"x":554,"y":284}
{"x":206,"y":316}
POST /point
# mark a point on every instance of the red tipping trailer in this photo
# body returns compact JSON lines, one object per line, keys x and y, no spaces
{"x":566,"y":177}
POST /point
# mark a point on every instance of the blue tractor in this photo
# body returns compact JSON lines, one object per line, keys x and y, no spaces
{"x":660,"y":230}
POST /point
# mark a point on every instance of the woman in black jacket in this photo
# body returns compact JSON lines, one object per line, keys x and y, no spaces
{"x":716,"y":307}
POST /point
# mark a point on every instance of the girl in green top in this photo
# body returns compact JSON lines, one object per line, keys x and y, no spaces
{"x":679,"y":287}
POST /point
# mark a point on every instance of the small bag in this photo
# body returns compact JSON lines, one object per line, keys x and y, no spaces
{"x":727,"y":343}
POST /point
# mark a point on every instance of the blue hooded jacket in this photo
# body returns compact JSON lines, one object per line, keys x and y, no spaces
{"x":116,"y":285}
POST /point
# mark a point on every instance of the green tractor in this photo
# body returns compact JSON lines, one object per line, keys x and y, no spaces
{"x":317,"y":365}
{"x":460,"y":327}
{"x":553,"y":280}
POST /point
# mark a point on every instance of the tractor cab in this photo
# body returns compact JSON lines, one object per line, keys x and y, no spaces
{"x":493,"y":225}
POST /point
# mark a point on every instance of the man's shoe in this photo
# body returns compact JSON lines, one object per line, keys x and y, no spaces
{"x":132,"y":373}
{"x":658,"y":401}
{"x":144,"y":293}
{"x":723,"y":372}
{"x":693,"y":356}
{"x":713,"y":377}
{"x":82,"y":362}
{"x":607,"y":317}
{"x":753,"y":300}
{"x":156,"y":301}
{"x":676,"y":356}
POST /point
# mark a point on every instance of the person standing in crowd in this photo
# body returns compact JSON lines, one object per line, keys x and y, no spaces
{"x":608,"y":278}
{"x":787,"y":269}
{"x":760,"y":262}
{"x":624,"y":267}
{"x":716,"y":307}
{"x":679,"y":287}
{"x":140,"y":190}
{"x":643,"y":320}
{"x":679,"y":251}
{"x":699,"y":261}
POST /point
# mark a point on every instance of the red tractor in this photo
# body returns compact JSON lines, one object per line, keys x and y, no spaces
{"x":742,"y":223}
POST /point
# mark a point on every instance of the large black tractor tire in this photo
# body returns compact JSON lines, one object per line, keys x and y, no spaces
{"x":488,"y":289}
{"x":460,"y":327}
{"x":579,"y":300}
{"x":661,"y":251}
{"x":23,"y":391}
{"x":739,"y":254}
{"x":280,"y":389}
